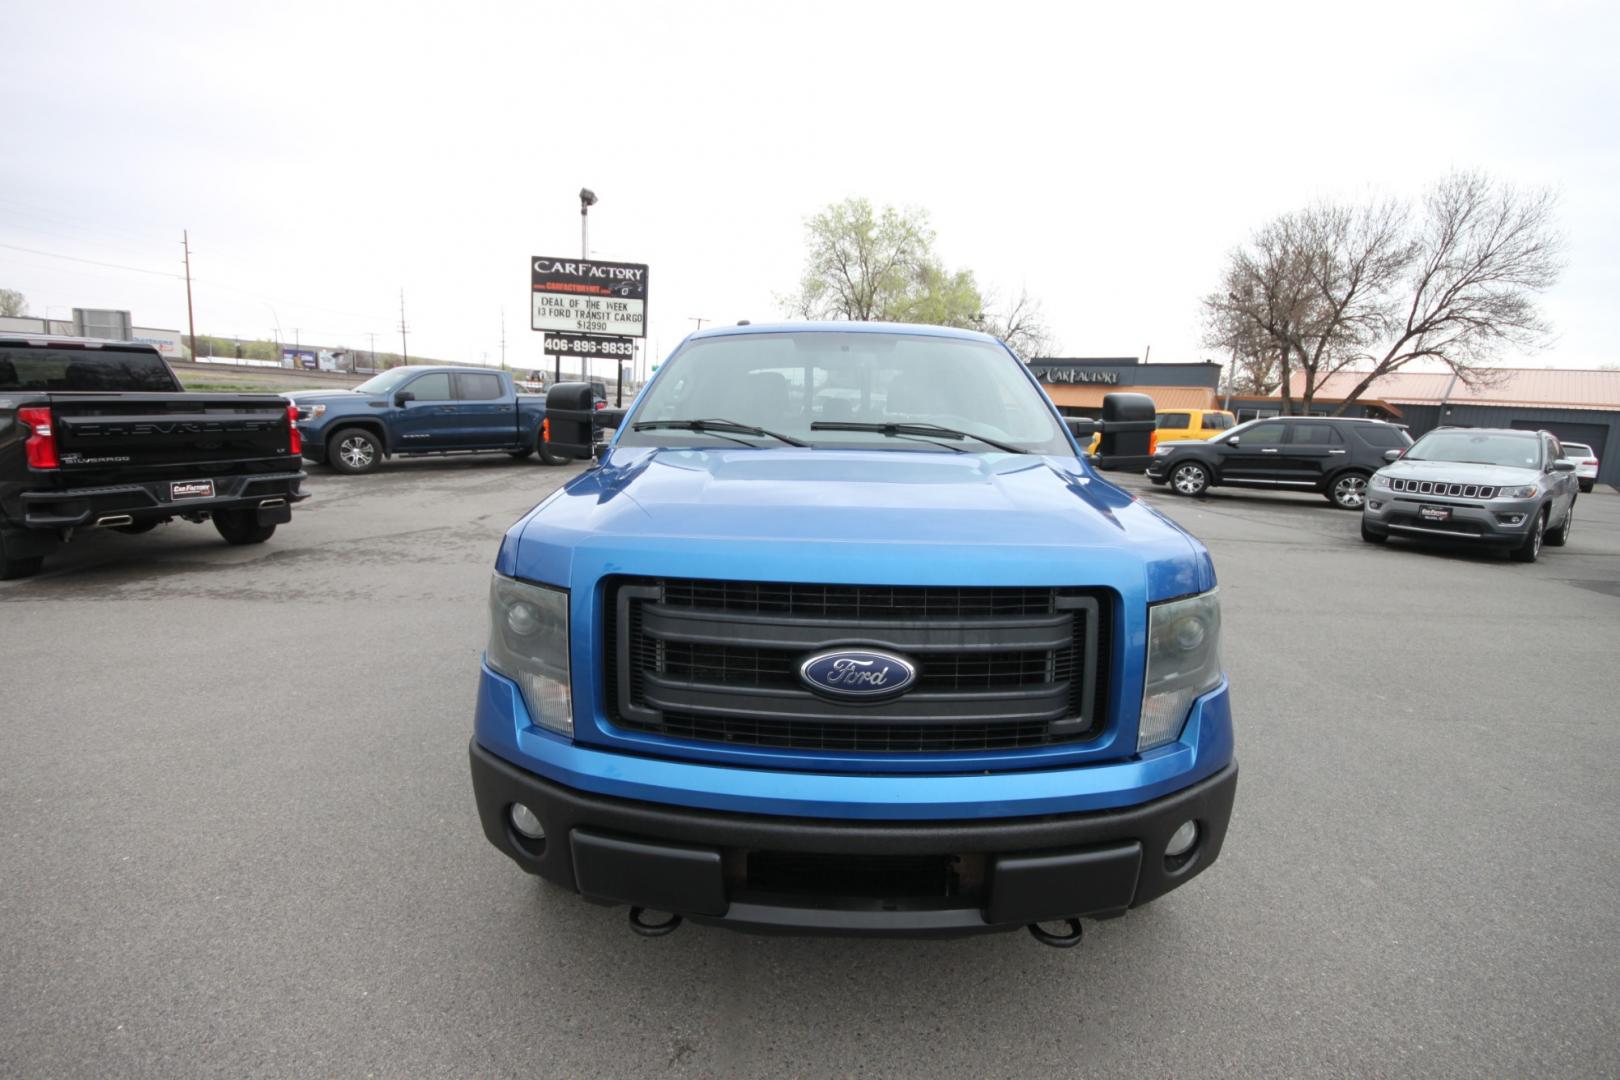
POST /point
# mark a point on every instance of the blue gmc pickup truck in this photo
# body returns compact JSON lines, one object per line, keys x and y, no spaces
{"x":842,"y":635}
{"x":420,"y":410}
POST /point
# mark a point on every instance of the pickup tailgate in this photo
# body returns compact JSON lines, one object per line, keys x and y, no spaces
{"x":174,"y":433}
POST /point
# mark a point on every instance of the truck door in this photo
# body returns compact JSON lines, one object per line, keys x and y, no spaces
{"x":429,"y":421}
{"x":487,"y":414}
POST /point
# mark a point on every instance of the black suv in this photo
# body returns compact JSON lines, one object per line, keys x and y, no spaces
{"x":1327,"y":454}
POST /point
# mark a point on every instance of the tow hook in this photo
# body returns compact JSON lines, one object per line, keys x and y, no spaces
{"x":1058,"y":941}
{"x":639,"y":923}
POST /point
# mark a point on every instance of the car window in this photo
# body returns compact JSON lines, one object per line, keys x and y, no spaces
{"x":1271,"y":432}
{"x":1217,"y":421}
{"x":116,"y":371}
{"x":1382,"y":436}
{"x":1575,"y":449}
{"x":1176,"y":420}
{"x":473,"y":387}
{"x":434,"y":387}
{"x":1315,"y":435}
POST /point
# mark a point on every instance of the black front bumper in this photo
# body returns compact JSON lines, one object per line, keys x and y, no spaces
{"x":272,"y":494}
{"x":809,"y":875}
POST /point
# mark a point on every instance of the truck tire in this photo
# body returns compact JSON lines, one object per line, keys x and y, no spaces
{"x":14,"y":566}
{"x":242,"y":527}
{"x":519,"y":455}
{"x":1530,"y":550}
{"x":353,"y":451}
{"x":550,"y":458}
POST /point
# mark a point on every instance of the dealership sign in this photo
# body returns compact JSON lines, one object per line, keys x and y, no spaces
{"x":1054,"y":375}
{"x":586,"y":296}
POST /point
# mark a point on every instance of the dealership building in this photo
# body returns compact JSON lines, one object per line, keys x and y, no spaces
{"x":1077,"y":385}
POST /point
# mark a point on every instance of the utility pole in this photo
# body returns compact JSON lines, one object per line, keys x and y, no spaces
{"x":372,"y":334}
{"x":404,"y":354}
{"x":699,"y":320}
{"x":503,"y":339}
{"x":191,"y":322}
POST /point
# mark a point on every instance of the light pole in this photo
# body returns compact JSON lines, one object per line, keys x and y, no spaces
{"x":587,"y":199}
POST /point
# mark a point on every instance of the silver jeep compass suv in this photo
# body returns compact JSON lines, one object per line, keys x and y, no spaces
{"x":1475,"y":486}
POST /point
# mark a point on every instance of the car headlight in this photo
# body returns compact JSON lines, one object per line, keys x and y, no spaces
{"x":1379,"y":482}
{"x":1526,"y":492}
{"x":528,"y":643}
{"x":316,"y":411}
{"x":1183,"y":663}
{"x":1163,"y":450}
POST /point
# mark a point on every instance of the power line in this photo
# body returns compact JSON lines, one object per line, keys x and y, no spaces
{"x":92,"y":262}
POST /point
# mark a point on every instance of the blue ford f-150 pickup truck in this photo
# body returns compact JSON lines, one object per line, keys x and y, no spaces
{"x":842,"y":635}
{"x":420,"y":410}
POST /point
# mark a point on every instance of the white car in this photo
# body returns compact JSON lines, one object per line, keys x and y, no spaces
{"x":1586,"y":463}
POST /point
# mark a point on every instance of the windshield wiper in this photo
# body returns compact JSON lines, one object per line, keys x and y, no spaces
{"x":912,"y":429}
{"x":719,"y":427}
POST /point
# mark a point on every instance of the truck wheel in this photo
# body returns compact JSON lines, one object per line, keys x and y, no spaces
{"x":1348,"y":491}
{"x":1587,"y":485}
{"x":242,"y":527}
{"x":550,"y":457}
{"x":1189,"y":478}
{"x":353,"y":451}
{"x":13,"y":566}
{"x":1530,"y":550}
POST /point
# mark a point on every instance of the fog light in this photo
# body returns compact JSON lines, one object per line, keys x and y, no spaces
{"x":524,"y":821}
{"x":1181,"y":841}
{"x":1513,"y":519}
{"x":1375,"y":504}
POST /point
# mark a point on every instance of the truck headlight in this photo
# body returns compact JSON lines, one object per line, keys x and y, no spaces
{"x":1379,"y":482}
{"x":1183,"y":663}
{"x":528,"y":643}
{"x":316,"y":411}
{"x":1528,"y":492}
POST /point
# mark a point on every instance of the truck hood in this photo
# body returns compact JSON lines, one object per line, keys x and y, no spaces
{"x":1461,"y":472}
{"x":891,"y":517}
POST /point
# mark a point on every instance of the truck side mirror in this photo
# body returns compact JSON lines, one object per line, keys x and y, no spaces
{"x":402,"y":397}
{"x":1081,"y":427}
{"x":1563,"y":466}
{"x":570,"y":419}
{"x":610,"y":417}
{"x":1128,"y":424}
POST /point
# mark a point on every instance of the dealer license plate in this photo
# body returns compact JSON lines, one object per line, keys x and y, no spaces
{"x":1434,"y":513}
{"x":191,"y":489}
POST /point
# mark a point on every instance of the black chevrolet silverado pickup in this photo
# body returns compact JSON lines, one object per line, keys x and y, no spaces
{"x":102,"y":435}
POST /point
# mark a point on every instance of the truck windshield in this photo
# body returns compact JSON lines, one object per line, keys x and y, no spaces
{"x":381,"y":384}
{"x":1478,"y":448}
{"x":96,"y":370}
{"x":784,"y":382}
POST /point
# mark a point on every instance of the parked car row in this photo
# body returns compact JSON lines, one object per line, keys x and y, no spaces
{"x":1501,"y":488}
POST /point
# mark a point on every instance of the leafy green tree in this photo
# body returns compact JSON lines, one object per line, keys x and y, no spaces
{"x":866,"y":265}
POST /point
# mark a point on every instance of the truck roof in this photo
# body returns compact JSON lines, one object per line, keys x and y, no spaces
{"x":922,"y":329}
{"x":59,"y":341}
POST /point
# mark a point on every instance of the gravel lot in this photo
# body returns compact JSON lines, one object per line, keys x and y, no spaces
{"x":237,"y":836}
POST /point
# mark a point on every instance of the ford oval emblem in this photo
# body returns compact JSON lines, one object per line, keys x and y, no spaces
{"x":858,"y":674}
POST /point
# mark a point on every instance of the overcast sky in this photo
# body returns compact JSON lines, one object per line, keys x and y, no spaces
{"x":324,"y":156}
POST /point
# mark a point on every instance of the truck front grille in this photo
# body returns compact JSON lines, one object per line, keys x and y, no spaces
{"x":717,"y":662}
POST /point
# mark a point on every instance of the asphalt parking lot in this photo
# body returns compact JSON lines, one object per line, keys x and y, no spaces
{"x":237,"y":835}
